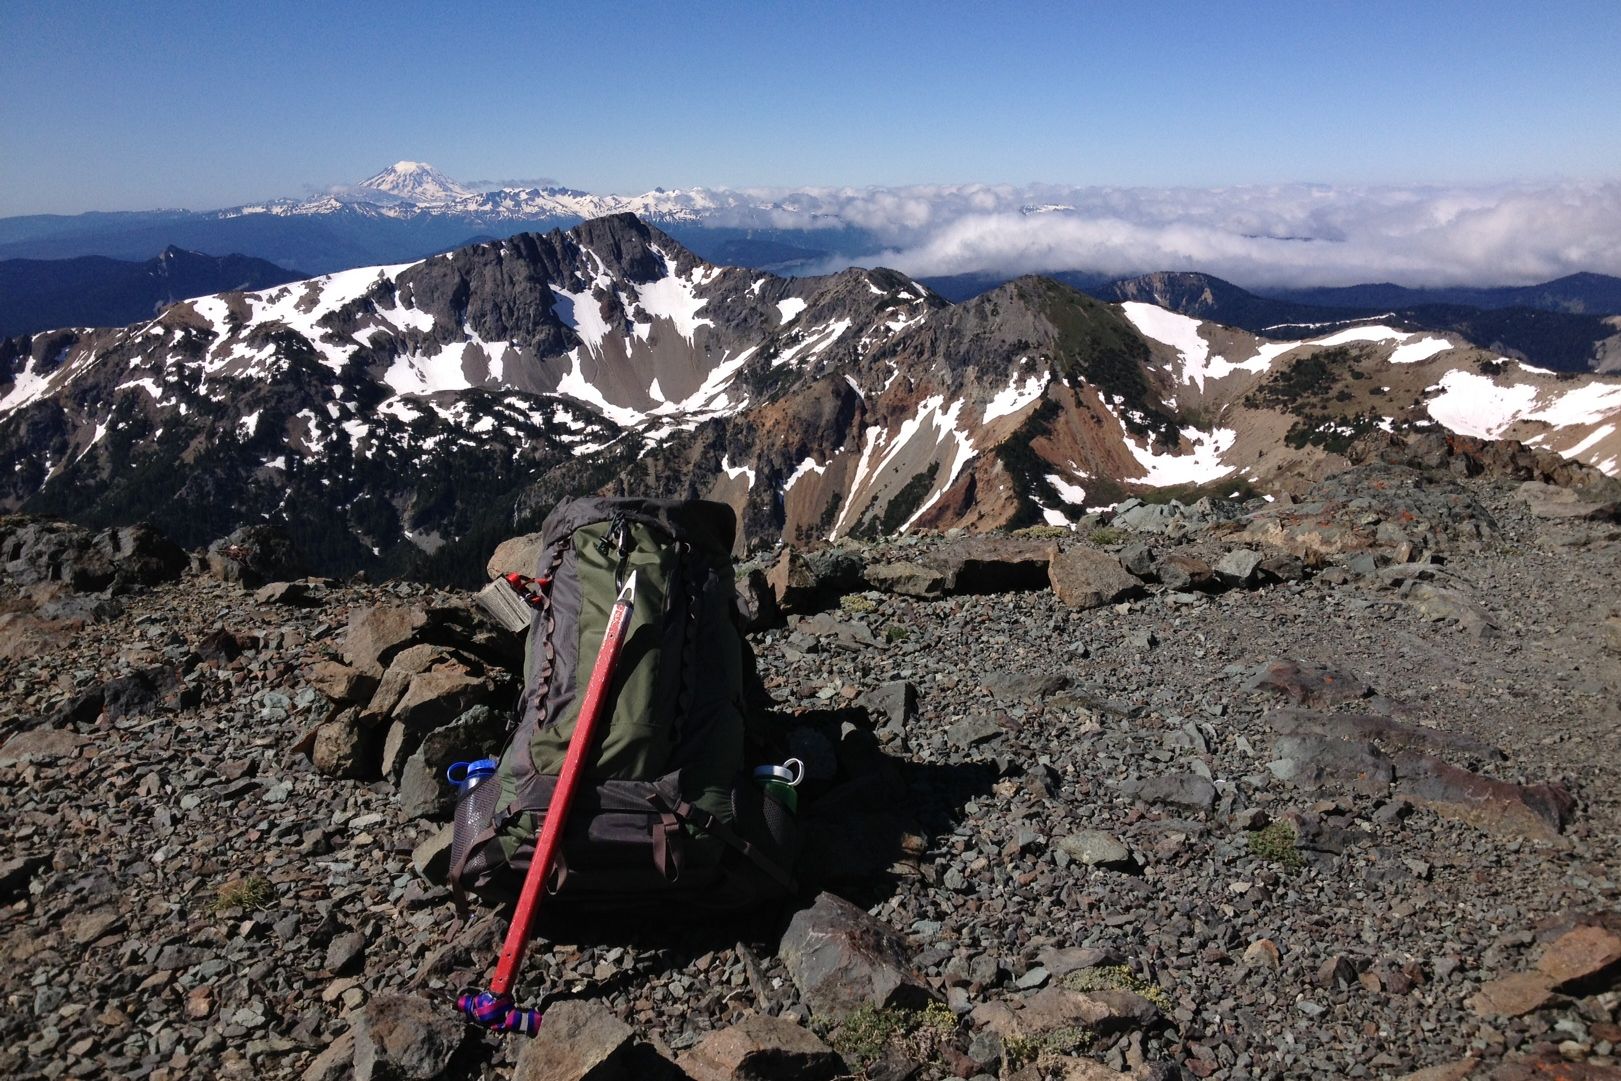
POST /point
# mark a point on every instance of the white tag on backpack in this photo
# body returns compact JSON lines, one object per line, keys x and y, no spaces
{"x":505,"y":606}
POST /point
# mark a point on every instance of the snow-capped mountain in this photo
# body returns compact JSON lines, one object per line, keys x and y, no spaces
{"x":417,"y":183}
{"x":393,"y":409}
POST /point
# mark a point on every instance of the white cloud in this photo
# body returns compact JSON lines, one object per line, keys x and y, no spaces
{"x":1290,"y":234}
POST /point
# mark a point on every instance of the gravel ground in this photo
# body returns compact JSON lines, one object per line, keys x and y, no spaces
{"x":213,"y":907}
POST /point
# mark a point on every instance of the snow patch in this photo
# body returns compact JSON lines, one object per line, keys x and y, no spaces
{"x":1016,"y":395}
{"x":1423,"y":349}
{"x":1073,"y":494}
{"x":809,"y":465}
{"x":734,"y":472}
{"x":790,"y":308}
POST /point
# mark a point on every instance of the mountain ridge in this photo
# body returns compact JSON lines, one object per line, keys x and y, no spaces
{"x":37,"y":295}
{"x":388,"y":412}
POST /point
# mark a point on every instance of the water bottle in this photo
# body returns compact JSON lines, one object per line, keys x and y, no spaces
{"x":472,"y":774}
{"x":781,"y":782}
{"x":472,"y":815}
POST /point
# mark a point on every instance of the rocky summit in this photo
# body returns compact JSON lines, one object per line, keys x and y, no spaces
{"x":1318,"y":787}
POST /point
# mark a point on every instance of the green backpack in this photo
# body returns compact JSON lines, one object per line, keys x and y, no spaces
{"x":668,"y":809}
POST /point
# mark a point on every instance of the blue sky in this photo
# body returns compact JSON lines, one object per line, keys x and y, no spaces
{"x":133,"y":106}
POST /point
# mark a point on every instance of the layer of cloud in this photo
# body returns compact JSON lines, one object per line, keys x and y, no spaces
{"x":1284,"y":235}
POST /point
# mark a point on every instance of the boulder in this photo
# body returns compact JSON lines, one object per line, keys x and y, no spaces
{"x":1537,"y":811}
{"x":516,"y":555}
{"x":1513,"y":996}
{"x":756,"y":603}
{"x":1239,"y":566}
{"x":577,"y":1041}
{"x":805,"y":583}
{"x":907,"y":579}
{"x":340,"y":683}
{"x":1312,"y":761}
{"x":405,"y":1038}
{"x":423,"y":790}
{"x":1187,"y":790}
{"x":440,"y":695}
{"x":254,"y":555}
{"x":762,"y":1048}
{"x":1550,"y":501}
{"x":141,"y":556}
{"x":1579,"y":957}
{"x":1087,"y":578}
{"x":993,"y":564}
{"x":431,"y":857}
{"x":344,"y":748}
{"x":1140,"y":517}
{"x":841,"y":959}
{"x":1181,"y":570}
{"x":375,"y":635}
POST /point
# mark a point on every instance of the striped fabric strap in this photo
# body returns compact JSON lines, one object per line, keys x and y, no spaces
{"x":497,"y":1013}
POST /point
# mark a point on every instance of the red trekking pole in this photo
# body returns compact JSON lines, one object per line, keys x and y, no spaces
{"x":494,"y":1009}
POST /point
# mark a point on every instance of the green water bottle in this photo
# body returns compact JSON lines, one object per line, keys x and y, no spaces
{"x":781,"y":782}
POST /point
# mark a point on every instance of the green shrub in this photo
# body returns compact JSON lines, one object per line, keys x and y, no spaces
{"x":1277,"y":844}
{"x":1118,"y":978}
{"x":1044,"y":532}
{"x":1107,"y":535}
{"x":871,"y":1030}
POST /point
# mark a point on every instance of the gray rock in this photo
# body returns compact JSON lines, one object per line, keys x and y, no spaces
{"x":972,"y":731}
{"x":431,"y":857}
{"x":1178,"y":789}
{"x":405,"y":1038}
{"x":292,"y":594}
{"x":345,"y":953}
{"x":1087,"y":578}
{"x":841,"y":959}
{"x":1095,"y":849}
{"x":1317,"y":761}
{"x":1238,"y":566}
{"x":1146,"y":517}
{"x":1138,"y":558}
{"x":892,"y":707}
{"x":577,"y":1041}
